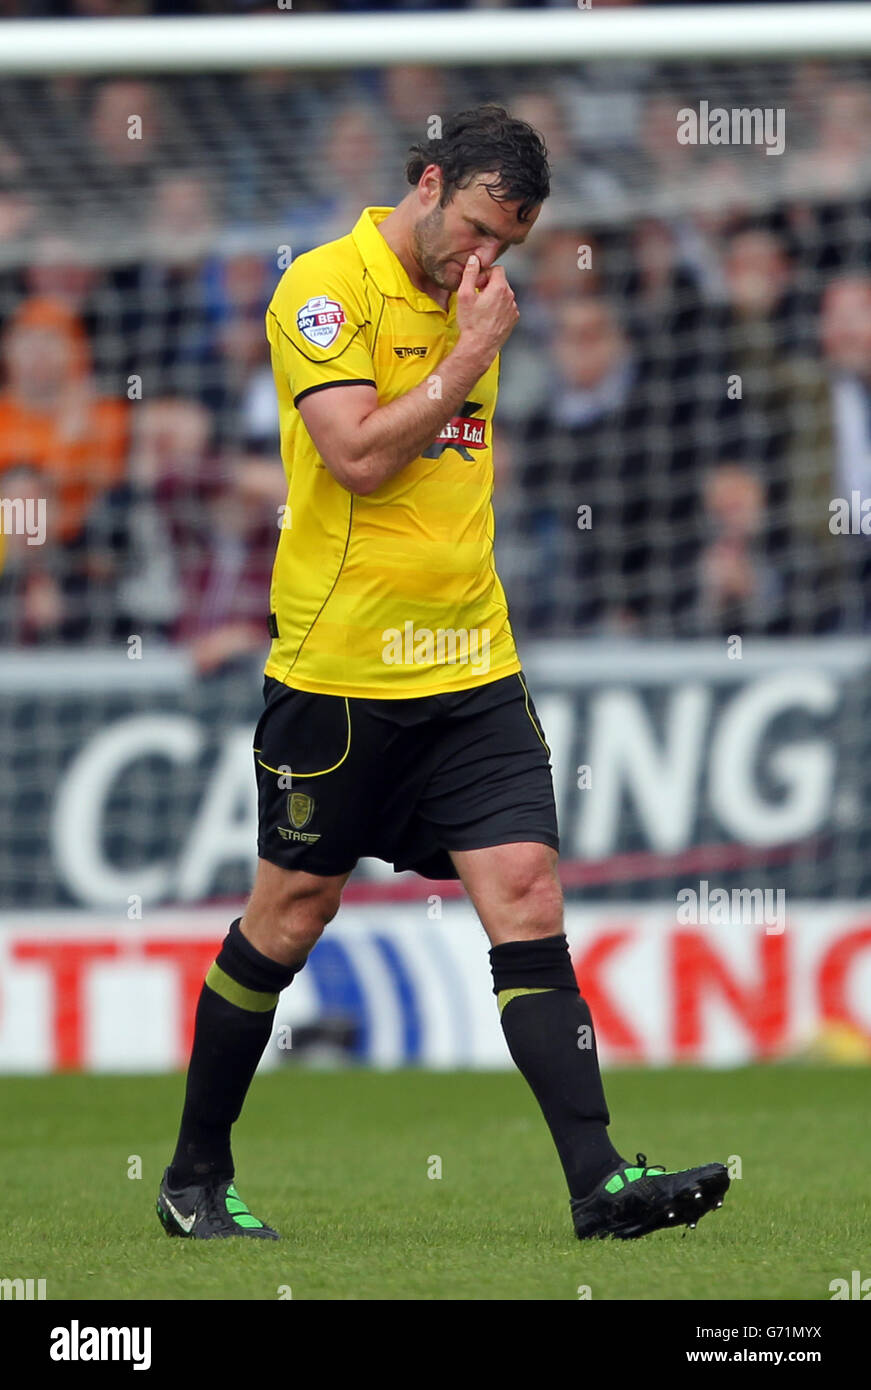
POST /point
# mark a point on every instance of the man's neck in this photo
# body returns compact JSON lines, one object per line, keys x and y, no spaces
{"x":396,"y":231}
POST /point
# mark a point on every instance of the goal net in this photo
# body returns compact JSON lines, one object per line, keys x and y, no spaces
{"x":683,"y":445}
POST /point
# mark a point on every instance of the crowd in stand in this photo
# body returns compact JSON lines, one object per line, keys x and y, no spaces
{"x":688,"y":389}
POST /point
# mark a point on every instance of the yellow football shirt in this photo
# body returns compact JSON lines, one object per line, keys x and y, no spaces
{"x":394,"y":594}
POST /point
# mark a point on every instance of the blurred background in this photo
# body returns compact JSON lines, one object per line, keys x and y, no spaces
{"x":692,"y":364}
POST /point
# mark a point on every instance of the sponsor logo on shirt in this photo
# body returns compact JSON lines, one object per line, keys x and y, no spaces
{"x":320,"y":319}
{"x":462,"y":433}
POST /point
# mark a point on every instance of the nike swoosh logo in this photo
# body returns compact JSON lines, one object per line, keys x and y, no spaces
{"x":186,"y":1222}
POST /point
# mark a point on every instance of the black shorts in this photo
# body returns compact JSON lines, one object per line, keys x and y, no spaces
{"x":341,"y":778}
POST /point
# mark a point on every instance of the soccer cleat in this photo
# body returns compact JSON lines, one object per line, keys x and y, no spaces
{"x":208,"y":1212}
{"x":636,"y":1199}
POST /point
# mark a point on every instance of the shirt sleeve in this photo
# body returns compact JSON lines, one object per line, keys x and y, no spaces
{"x":317,"y":326}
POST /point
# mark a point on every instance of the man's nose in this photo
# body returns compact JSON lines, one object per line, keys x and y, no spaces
{"x":487,"y":254}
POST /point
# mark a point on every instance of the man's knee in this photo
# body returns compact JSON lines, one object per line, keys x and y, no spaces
{"x":526,"y":901}
{"x":532,"y":881}
{"x":288,"y":911}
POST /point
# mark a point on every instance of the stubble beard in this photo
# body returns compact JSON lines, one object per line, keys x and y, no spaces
{"x":426,"y":237}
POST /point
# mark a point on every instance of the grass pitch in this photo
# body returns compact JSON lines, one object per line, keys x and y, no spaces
{"x":339,"y":1162}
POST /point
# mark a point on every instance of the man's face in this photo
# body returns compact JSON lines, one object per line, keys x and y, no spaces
{"x":757,"y":272}
{"x":588,"y":344}
{"x":38,"y":361}
{"x":846,"y":325}
{"x":473,"y":221}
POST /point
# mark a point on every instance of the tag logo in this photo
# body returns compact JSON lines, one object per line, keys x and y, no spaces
{"x":320,"y":319}
{"x":411,"y":351}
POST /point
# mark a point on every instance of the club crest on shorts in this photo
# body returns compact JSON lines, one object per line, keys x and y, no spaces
{"x":300,"y":808}
{"x":320,"y":319}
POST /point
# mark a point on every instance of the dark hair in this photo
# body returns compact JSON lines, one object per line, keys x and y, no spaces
{"x":486,"y":140}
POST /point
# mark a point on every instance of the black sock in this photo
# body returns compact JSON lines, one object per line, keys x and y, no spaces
{"x":549,"y":1032}
{"x":233,"y":1023}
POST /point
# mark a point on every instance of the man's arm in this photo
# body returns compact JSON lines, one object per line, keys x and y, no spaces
{"x":363,"y":444}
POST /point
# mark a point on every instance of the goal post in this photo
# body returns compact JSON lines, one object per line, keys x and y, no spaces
{"x":303,"y":41}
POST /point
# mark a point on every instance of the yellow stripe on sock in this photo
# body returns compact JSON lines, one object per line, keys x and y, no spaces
{"x":234,"y":993}
{"x":506,"y":995}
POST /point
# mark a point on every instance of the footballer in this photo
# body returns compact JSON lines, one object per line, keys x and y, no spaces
{"x":397,"y":722}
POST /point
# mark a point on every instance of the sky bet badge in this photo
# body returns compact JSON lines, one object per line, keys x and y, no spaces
{"x":320,"y":319}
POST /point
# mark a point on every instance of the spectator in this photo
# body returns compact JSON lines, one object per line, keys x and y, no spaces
{"x":796,"y":415}
{"x":227,"y":584}
{"x":827,"y":188}
{"x":141,"y":538}
{"x":240,"y":283}
{"x":560,"y":270}
{"x":357,"y":151}
{"x":663,"y":169}
{"x":59,"y":270}
{"x":413,"y":93}
{"x":32,"y":605}
{"x":280,"y":119}
{"x":722,"y":205}
{"x":839,"y":162}
{"x":166,"y":312}
{"x":840,"y":423}
{"x":50,"y":417}
{"x":759,"y":326}
{"x":125,"y":152}
{"x":19,"y":214}
{"x":667,"y":315}
{"x":578,"y":180}
{"x":739,"y":590}
{"x":603,"y":441}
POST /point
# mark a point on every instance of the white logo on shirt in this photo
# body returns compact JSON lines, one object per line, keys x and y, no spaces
{"x":320,"y":319}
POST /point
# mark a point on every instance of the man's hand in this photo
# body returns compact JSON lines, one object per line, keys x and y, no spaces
{"x":486,"y":318}
{"x":364,"y":444}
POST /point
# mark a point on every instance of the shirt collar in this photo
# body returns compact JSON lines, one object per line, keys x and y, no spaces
{"x":384,"y":265}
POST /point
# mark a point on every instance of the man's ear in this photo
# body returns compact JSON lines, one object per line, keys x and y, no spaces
{"x":430,"y":183}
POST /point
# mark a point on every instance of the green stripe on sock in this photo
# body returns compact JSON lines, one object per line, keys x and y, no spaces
{"x":506,"y":995}
{"x":234,"y":993}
